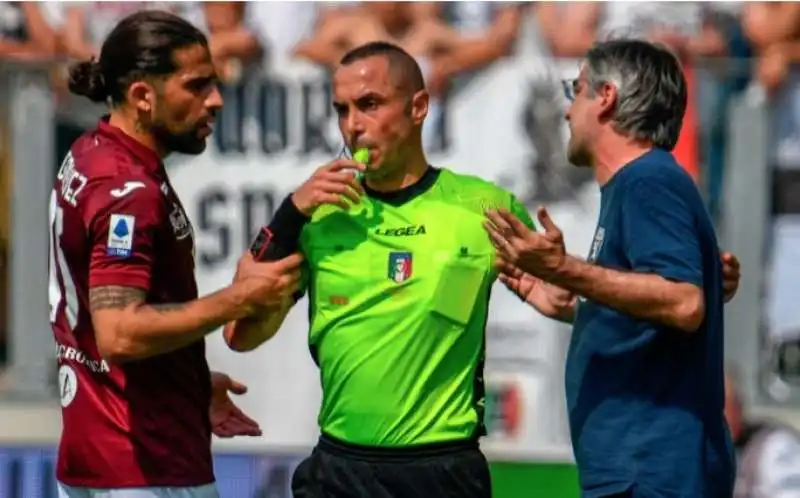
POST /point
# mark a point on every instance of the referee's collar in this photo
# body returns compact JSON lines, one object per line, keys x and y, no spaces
{"x":406,"y":194}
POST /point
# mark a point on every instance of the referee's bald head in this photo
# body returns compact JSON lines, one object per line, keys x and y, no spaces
{"x":403,"y":68}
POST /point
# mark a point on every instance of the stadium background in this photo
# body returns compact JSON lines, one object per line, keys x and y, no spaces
{"x":503,"y":122}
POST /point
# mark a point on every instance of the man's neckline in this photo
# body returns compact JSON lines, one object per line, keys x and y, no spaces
{"x":406,"y":194}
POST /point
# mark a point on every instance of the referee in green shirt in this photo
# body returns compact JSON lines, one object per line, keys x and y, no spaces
{"x":398,"y":271}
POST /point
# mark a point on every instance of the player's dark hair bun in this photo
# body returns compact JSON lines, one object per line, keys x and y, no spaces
{"x":85,"y":78}
{"x":142,"y":45}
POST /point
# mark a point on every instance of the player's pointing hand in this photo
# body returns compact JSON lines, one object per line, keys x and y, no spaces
{"x":539,"y":254}
{"x":330,"y":184}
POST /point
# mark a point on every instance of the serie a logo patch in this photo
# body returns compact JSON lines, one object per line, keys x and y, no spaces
{"x":120,"y":235}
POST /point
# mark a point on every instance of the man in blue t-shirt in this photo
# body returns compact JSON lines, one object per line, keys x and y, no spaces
{"x":644,"y":375}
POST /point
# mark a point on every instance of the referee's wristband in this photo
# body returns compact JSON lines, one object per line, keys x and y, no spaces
{"x":282,"y":236}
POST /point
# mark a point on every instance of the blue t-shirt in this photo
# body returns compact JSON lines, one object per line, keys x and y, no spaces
{"x":646,"y":401}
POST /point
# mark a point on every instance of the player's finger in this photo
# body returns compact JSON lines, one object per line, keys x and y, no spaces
{"x":248,"y":431}
{"x":287,"y":264}
{"x":233,"y":427}
{"x":547,"y":222}
{"x":222,"y":430}
{"x":244,"y":419}
{"x":244,"y":422}
{"x":237,"y":428}
{"x":236,"y":387}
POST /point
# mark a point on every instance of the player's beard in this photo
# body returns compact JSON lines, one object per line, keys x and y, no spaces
{"x":184,"y":142}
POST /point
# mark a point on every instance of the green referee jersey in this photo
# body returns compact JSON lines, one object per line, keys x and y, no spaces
{"x":399,"y":290}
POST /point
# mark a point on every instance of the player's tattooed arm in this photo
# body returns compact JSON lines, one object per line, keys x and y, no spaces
{"x":127,"y":328}
{"x":120,"y":297}
{"x":114,"y":297}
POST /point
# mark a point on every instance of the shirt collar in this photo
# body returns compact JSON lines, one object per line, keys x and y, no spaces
{"x":144,"y":154}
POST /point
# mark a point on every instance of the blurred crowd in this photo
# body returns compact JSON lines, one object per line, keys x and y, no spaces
{"x":727,"y":48}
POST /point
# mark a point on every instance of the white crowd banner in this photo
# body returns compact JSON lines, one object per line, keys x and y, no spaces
{"x":269,"y":138}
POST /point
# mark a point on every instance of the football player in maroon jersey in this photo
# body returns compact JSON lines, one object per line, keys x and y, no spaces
{"x":138,"y":400}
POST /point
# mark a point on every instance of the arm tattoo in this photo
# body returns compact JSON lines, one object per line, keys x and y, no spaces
{"x":114,"y":297}
{"x":118,"y":297}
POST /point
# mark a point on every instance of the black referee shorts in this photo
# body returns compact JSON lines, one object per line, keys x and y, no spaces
{"x":340,"y":470}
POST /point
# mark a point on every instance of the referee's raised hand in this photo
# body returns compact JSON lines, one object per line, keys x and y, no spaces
{"x":330,"y":184}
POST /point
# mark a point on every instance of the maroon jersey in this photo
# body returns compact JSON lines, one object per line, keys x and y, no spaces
{"x":117,"y":221}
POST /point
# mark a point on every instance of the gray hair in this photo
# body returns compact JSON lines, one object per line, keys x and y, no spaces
{"x":651,"y":88}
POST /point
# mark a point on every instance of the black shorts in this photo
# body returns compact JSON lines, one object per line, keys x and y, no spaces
{"x":339,"y":470}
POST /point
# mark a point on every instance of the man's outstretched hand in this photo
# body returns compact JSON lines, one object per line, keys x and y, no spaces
{"x":537,"y":254}
{"x":227,"y":420}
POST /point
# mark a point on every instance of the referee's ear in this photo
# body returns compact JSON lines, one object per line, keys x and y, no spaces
{"x":419,"y":107}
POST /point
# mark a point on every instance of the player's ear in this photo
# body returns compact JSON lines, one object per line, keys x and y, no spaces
{"x":419,"y":107}
{"x":142,"y":95}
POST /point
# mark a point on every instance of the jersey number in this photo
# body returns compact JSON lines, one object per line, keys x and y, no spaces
{"x":58,"y":293}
